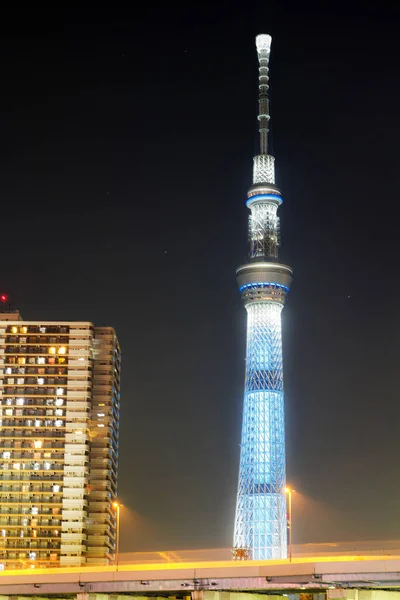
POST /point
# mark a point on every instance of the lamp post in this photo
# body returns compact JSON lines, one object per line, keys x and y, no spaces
{"x":117,"y":507}
{"x":289,"y":492}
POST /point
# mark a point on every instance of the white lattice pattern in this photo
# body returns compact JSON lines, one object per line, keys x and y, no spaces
{"x":264,"y":169}
{"x":264,"y":230}
{"x":260,"y":523}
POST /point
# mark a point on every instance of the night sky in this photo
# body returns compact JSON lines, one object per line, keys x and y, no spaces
{"x":126,"y":140}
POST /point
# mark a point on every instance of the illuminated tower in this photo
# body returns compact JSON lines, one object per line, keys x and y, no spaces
{"x":260,"y":523}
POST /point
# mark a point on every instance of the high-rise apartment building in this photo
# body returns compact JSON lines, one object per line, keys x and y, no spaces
{"x":59,"y":423}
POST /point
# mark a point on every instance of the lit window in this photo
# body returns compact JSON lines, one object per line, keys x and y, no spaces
{"x":32,"y":555}
{"x":34,"y":533}
{"x":78,"y":432}
{"x":24,"y":330}
{"x":100,"y":425}
{"x":41,"y":360}
{"x":21,"y":360}
{"x":100,"y":414}
{"x":20,"y":381}
{"x":38,"y":422}
{"x":59,"y":401}
{"x":6,"y":454}
{"x":17,"y":466}
{"x":3,"y":533}
{"x":42,"y":329}
{"x":81,"y":358}
{"x":21,"y":533}
{"x":9,"y":412}
{"x":34,"y":510}
{"x":20,"y":401}
{"x":38,"y":443}
{"x":60,"y":391}
{"x":59,"y":412}
{"x":52,"y":350}
{"x":56,"y":532}
{"x":46,"y":465}
{"x":8,"y":371}
{"x":56,"y":488}
{"x":2,"y":566}
{"x":62,"y":350}
{"x":14,"y":329}
{"x":58,"y":423}
{"x":40,"y":380}
{"x":36,"y":466}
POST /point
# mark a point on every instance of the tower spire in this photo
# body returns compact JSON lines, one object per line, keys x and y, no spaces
{"x":260,"y":522}
{"x":263,"y":43}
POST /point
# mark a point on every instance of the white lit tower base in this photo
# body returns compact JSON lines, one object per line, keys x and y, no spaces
{"x":261,"y":523}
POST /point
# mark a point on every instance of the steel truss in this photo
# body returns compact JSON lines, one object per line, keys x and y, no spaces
{"x":261,"y":505}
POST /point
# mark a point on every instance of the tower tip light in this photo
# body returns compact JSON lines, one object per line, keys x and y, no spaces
{"x":263,"y":42}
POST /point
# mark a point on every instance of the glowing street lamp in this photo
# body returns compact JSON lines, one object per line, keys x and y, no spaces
{"x":289,"y":492}
{"x":117,"y":507}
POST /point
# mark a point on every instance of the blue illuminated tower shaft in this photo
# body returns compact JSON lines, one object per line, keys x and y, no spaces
{"x":260,"y":523}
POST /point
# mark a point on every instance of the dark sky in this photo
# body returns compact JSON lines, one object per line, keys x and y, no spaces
{"x":126,"y":139}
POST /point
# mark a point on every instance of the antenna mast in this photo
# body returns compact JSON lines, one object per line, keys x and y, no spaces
{"x":263,"y":43}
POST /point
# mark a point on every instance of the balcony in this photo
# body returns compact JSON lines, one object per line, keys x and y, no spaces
{"x":73,"y":538}
{"x":74,"y":470}
{"x":73,"y":515}
{"x":79,"y":395}
{"x":78,"y":405}
{"x":72,"y":549}
{"x":72,"y":561}
{"x":74,"y":493}
{"x":70,"y":438}
{"x":74,"y":503}
{"x":96,"y":541}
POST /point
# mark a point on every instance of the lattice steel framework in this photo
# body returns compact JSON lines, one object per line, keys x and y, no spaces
{"x":260,"y":524}
{"x":264,"y":230}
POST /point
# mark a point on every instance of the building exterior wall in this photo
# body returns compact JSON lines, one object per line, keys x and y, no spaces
{"x":104,"y":430}
{"x":59,"y":418}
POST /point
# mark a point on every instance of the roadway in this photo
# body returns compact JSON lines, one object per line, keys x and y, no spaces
{"x":173,"y":577}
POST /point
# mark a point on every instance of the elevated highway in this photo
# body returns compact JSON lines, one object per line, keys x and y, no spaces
{"x":305,"y":578}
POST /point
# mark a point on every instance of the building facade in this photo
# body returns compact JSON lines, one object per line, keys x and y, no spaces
{"x":59,"y":423}
{"x":260,"y":523}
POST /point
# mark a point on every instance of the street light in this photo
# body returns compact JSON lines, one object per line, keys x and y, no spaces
{"x":289,"y":492}
{"x":117,"y":507}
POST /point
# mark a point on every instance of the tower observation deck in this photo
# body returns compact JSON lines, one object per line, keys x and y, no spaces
{"x":260,"y":522}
